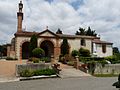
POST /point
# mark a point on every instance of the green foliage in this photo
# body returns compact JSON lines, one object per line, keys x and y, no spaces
{"x":30,"y":73}
{"x":81,"y":31}
{"x":34,"y":60}
{"x":62,"y":60}
{"x":3,"y":50}
{"x":33,"y":44}
{"x":115,"y":50}
{"x":59,"y":31}
{"x":105,"y":75}
{"x":75,"y":53}
{"x":44,"y":72}
{"x":26,"y":73}
{"x":84,"y":52}
{"x":88,"y":32}
{"x":46,"y":59}
{"x":38,"y":52}
{"x":65,"y":47}
{"x":114,"y":59}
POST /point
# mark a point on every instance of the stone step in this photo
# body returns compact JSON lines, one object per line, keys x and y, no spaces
{"x":72,"y":72}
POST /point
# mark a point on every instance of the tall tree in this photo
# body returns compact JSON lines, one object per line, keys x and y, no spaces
{"x":115,"y":50}
{"x":65,"y":47}
{"x":3,"y":50}
{"x":59,"y":31}
{"x":81,"y":31}
{"x":90,"y":32}
{"x":33,"y":44}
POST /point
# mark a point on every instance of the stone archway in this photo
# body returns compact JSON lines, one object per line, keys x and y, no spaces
{"x":48,"y":47}
{"x":25,"y":50}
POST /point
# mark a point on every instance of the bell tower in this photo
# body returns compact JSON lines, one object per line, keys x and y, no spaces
{"x":20,"y":17}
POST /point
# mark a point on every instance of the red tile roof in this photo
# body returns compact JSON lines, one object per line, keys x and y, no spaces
{"x":98,"y":41}
{"x":28,"y":34}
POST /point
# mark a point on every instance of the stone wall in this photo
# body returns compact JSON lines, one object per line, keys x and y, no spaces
{"x":108,"y":69}
{"x":32,"y":66}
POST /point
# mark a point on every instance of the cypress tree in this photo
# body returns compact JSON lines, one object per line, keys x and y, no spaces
{"x":33,"y":44}
{"x":65,"y":47}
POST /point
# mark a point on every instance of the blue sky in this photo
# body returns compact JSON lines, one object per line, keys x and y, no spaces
{"x":102,"y":15}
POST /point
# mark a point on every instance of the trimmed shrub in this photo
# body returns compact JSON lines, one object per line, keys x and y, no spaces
{"x":84,"y":52}
{"x":30,"y":73}
{"x":74,"y":53}
{"x":38,"y":52}
{"x":46,"y":59}
{"x":65,"y":47}
{"x":44,"y":72}
{"x":34,"y":60}
{"x":33,"y":44}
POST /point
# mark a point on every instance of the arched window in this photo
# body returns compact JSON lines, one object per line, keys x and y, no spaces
{"x":83,"y":42}
{"x":104,"y":48}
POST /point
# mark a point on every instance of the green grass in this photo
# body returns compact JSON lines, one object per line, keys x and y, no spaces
{"x":105,"y":75}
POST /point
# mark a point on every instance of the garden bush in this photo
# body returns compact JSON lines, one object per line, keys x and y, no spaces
{"x":38,"y":52}
{"x":44,"y":72}
{"x":84,"y":52}
{"x":74,"y":53}
{"x":46,"y":59}
{"x":26,"y":73}
{"x":34,"y":60}
{"x":29,"y":73}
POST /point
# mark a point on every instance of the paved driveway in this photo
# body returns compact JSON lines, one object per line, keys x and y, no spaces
{"x":82,"y":83}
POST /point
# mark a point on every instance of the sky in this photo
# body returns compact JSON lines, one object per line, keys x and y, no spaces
{"x":68,"y":15}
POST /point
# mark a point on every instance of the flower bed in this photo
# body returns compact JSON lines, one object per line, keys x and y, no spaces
{"x":30,"y":73}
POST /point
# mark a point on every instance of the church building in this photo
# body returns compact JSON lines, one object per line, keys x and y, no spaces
{"x":51,"y":42}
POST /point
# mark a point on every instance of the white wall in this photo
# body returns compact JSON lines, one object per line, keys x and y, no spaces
{"x":99,"y":52}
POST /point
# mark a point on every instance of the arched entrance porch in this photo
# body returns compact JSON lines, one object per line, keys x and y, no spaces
{"x":48,"y":47}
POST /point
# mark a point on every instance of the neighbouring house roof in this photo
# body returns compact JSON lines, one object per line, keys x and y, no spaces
{"x":77,"y":36}
{"x":28,"y":34}
{"x":98,"y":41}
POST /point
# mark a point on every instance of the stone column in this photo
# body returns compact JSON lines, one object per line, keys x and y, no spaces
{"x":76,"y":63}
{"x":20,"y":58}
{"x":52,"y":60}
{"x":56,"y":52}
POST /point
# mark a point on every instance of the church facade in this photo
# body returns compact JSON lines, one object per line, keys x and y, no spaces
{"x":51,"y":42}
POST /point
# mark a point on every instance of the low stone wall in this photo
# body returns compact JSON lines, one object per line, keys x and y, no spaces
{"x":32,"y":66}
{"x":107,"y":69}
